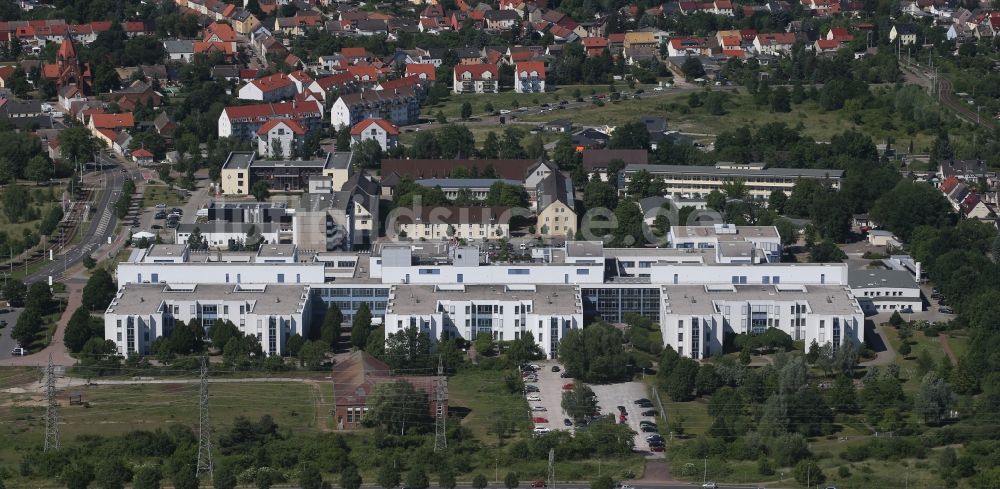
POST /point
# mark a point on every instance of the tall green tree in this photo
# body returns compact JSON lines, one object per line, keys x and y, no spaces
{"x":396,"y":407}
{"x":361,"y":327}
{"x":99,"y":291}
{"x":333,"y":320}
{"x":310,"y":477}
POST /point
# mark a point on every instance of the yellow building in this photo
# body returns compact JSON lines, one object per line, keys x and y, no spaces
{"x":555,"y":206}
{"x":639,"y":39}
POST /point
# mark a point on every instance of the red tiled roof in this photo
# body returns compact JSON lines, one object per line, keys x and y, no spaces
{"x":360,"y":72}
{"x":276,"y":81}
{"x":293,"y":125}
{"x":734,"y":53}
{"x":354,"y":52}
{"x":386,"y":126}
{"x":400,"y":82}
{"x":426,"y":69}
{"x":275,"y":109}
{"x":477,"y":71}
{"x":530,"y":66}
{"x":595,"y":42}
{"x":204,"y":47}
{"x":113,"y":121}
{"x":224,"y":32}
{"x":337,"y":80}
{"x":142,"y":153}
{"x":777,"y":38}
{"x":949,"y":184}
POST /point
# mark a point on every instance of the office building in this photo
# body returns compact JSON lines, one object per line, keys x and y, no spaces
{"x":759,"y":180}
{"x":242,"y":170}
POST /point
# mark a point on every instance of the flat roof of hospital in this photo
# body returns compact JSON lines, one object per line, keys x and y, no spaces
{"x":263,"y":299}
{"x":699,"y":299}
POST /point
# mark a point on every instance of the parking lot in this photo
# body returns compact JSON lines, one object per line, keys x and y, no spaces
{"x":610,"y":396}
{"x":549,"y":385}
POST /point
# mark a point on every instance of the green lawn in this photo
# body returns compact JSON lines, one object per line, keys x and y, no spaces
{"x":908,"y":365}
{"x":113,"y":410}
{"x":161,"y":194}
{"x":508,"y":99}
{"x":959,"y":343}
{"x":479,"y":395}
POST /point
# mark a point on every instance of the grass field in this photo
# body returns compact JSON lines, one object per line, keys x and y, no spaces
{"x":908,"y":365}
{"x":161,"y":194}
{"x":483,"y":394}
{"x":113,"y":410}
{"x":452,"y":105}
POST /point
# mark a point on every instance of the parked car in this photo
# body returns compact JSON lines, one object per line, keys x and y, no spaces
{"x":621,"y":409}
{"x":161,"y":205}
{"x":565,"y":375}
{"x":540,"y":430}
{"x":555,"y":368}
{"x":641,"y":401}
{"x":567,"y":422}
{"x":649,"y":413}
{"x":538,"y":484}
{"x":534,"y":397}
{"x":657,"y":448}
{"x":648,"y":429}
{"x":539,"y":409}
{"x":568,"y":387}
{"x":531,"y":388}
{"x":945,"y":310}
{"x":710,"y":485}
{"x":160,"y":215}
{"x":19,"y":352}
{"x":535,"y":367}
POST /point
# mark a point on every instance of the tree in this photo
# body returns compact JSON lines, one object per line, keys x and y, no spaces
{"x":446,"y":479}
{"x":310,"y":477}
{"x":629,"y":232}
{"x":910,"y":205}
{"x":260,"y":191}
{"x":76,"y":144}
{"x":632,"y":135}
{"x":38,"y":168}
{"x":112,"y":474}
{"x":388,"y":476}
{"x":776,"y":201}
{"x":147,"y":477}
{"x":594,"y":354}
{"x":295,"y":344}
{"x":332,"y":324}
{"x":934,"y":400}
{"x":80,"y":329}
{"x":394,"y":405}
{"x":602,"y":482}
{"x":222,"y":332}
{"x":417,"y":479}
{"x":579,"y":402}
{"x":781,"y":100}
{"x":99,"y":291}
{"x":28,"y":325}
{"x":692,"y":68}
{"x":905,"y":349}
{"x":826,"y":252}
{"x":350,"y":478}
{"x":523,"y":349}
{"x":679,"y":381}
{"x":510,"y":481}
{"x":479,"y":481}
{"x":224,"y":477}
{"x":896,"y":320}
{"x":313,"y":354}
{"x":367,"y":153}
{"x":14,"y":291}
{"x":466,"y":110}
{"x":407,"y":349}
{"x":361,"y":327}
{"x":808,"y":473}
{"x":78,"y":475}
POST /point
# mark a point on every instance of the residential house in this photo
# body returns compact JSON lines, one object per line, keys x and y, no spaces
{"x":501,"y":19}
{"x":775,"y":43}
{"x":164,"y":124}
{"x":425,"y":71}
{"x":477,"y":78}
{"x":268,"y":89}
{"x":380,"y":130}
{"x":277,"y":138}
{"x":142,"y":157}
{"x":452,"y":222}
{"x":356,"y":376}
{"x":401,"y":107}
{"x":905,"y":33}
{"x":106,"y":127}
{"x":243,"y":121}
{"x":555,"y":206}
{"x":529,"y":77}
{"x":595,"y":46}
{"x":689,"y":46}
{"x":179,"y":49}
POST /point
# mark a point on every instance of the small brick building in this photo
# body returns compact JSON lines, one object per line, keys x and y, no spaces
{"x":355,"y":378}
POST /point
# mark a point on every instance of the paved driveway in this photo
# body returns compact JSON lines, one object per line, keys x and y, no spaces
{"x":610,"y":396}
{"x":550,"y":391}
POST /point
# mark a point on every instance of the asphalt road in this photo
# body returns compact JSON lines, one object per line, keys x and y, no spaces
{"x":6,"y":342}
{"x":98,"y":230}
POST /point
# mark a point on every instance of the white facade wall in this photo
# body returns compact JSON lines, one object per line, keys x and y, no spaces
{"x":809,"y":274}
{"x":220,"y":273}
{"x":524,"y":273}
{"x":225,"y":125}
{"x":508,"y":320}
{"x":887,"y":299}
{"x":220,"y":239}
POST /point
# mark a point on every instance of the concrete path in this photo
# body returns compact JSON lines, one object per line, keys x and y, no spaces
{"x":943,"y":338}
{"x":56,"y":347}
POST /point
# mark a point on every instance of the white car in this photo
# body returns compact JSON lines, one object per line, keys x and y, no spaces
{"x":709,"y":485}
{"x":627,"y":486}
{"x":539,"y":409}
{"x":539,"y":430}
{"x":535,"y":367}
{"x":658,"y":89}
{"x":504,"y":111}
{"x":19,"y":352}
{"x":534,"y":397}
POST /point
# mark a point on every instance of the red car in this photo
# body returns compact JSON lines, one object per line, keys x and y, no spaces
{"x":538,"y":484}
{"x":539,"y":420}
{"x":568,"y":387}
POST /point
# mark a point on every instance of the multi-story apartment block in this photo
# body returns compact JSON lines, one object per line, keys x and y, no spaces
{"x":400,"y":107}
{"x":243,"y":121}
{"x":529,"y":77}
{"x":476,"y":78}
{"x":242,"y":170}
{"x":759,"y":180}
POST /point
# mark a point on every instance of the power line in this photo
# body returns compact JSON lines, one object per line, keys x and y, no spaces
{"x":204,"y":430}
{"x":52,"y":409}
